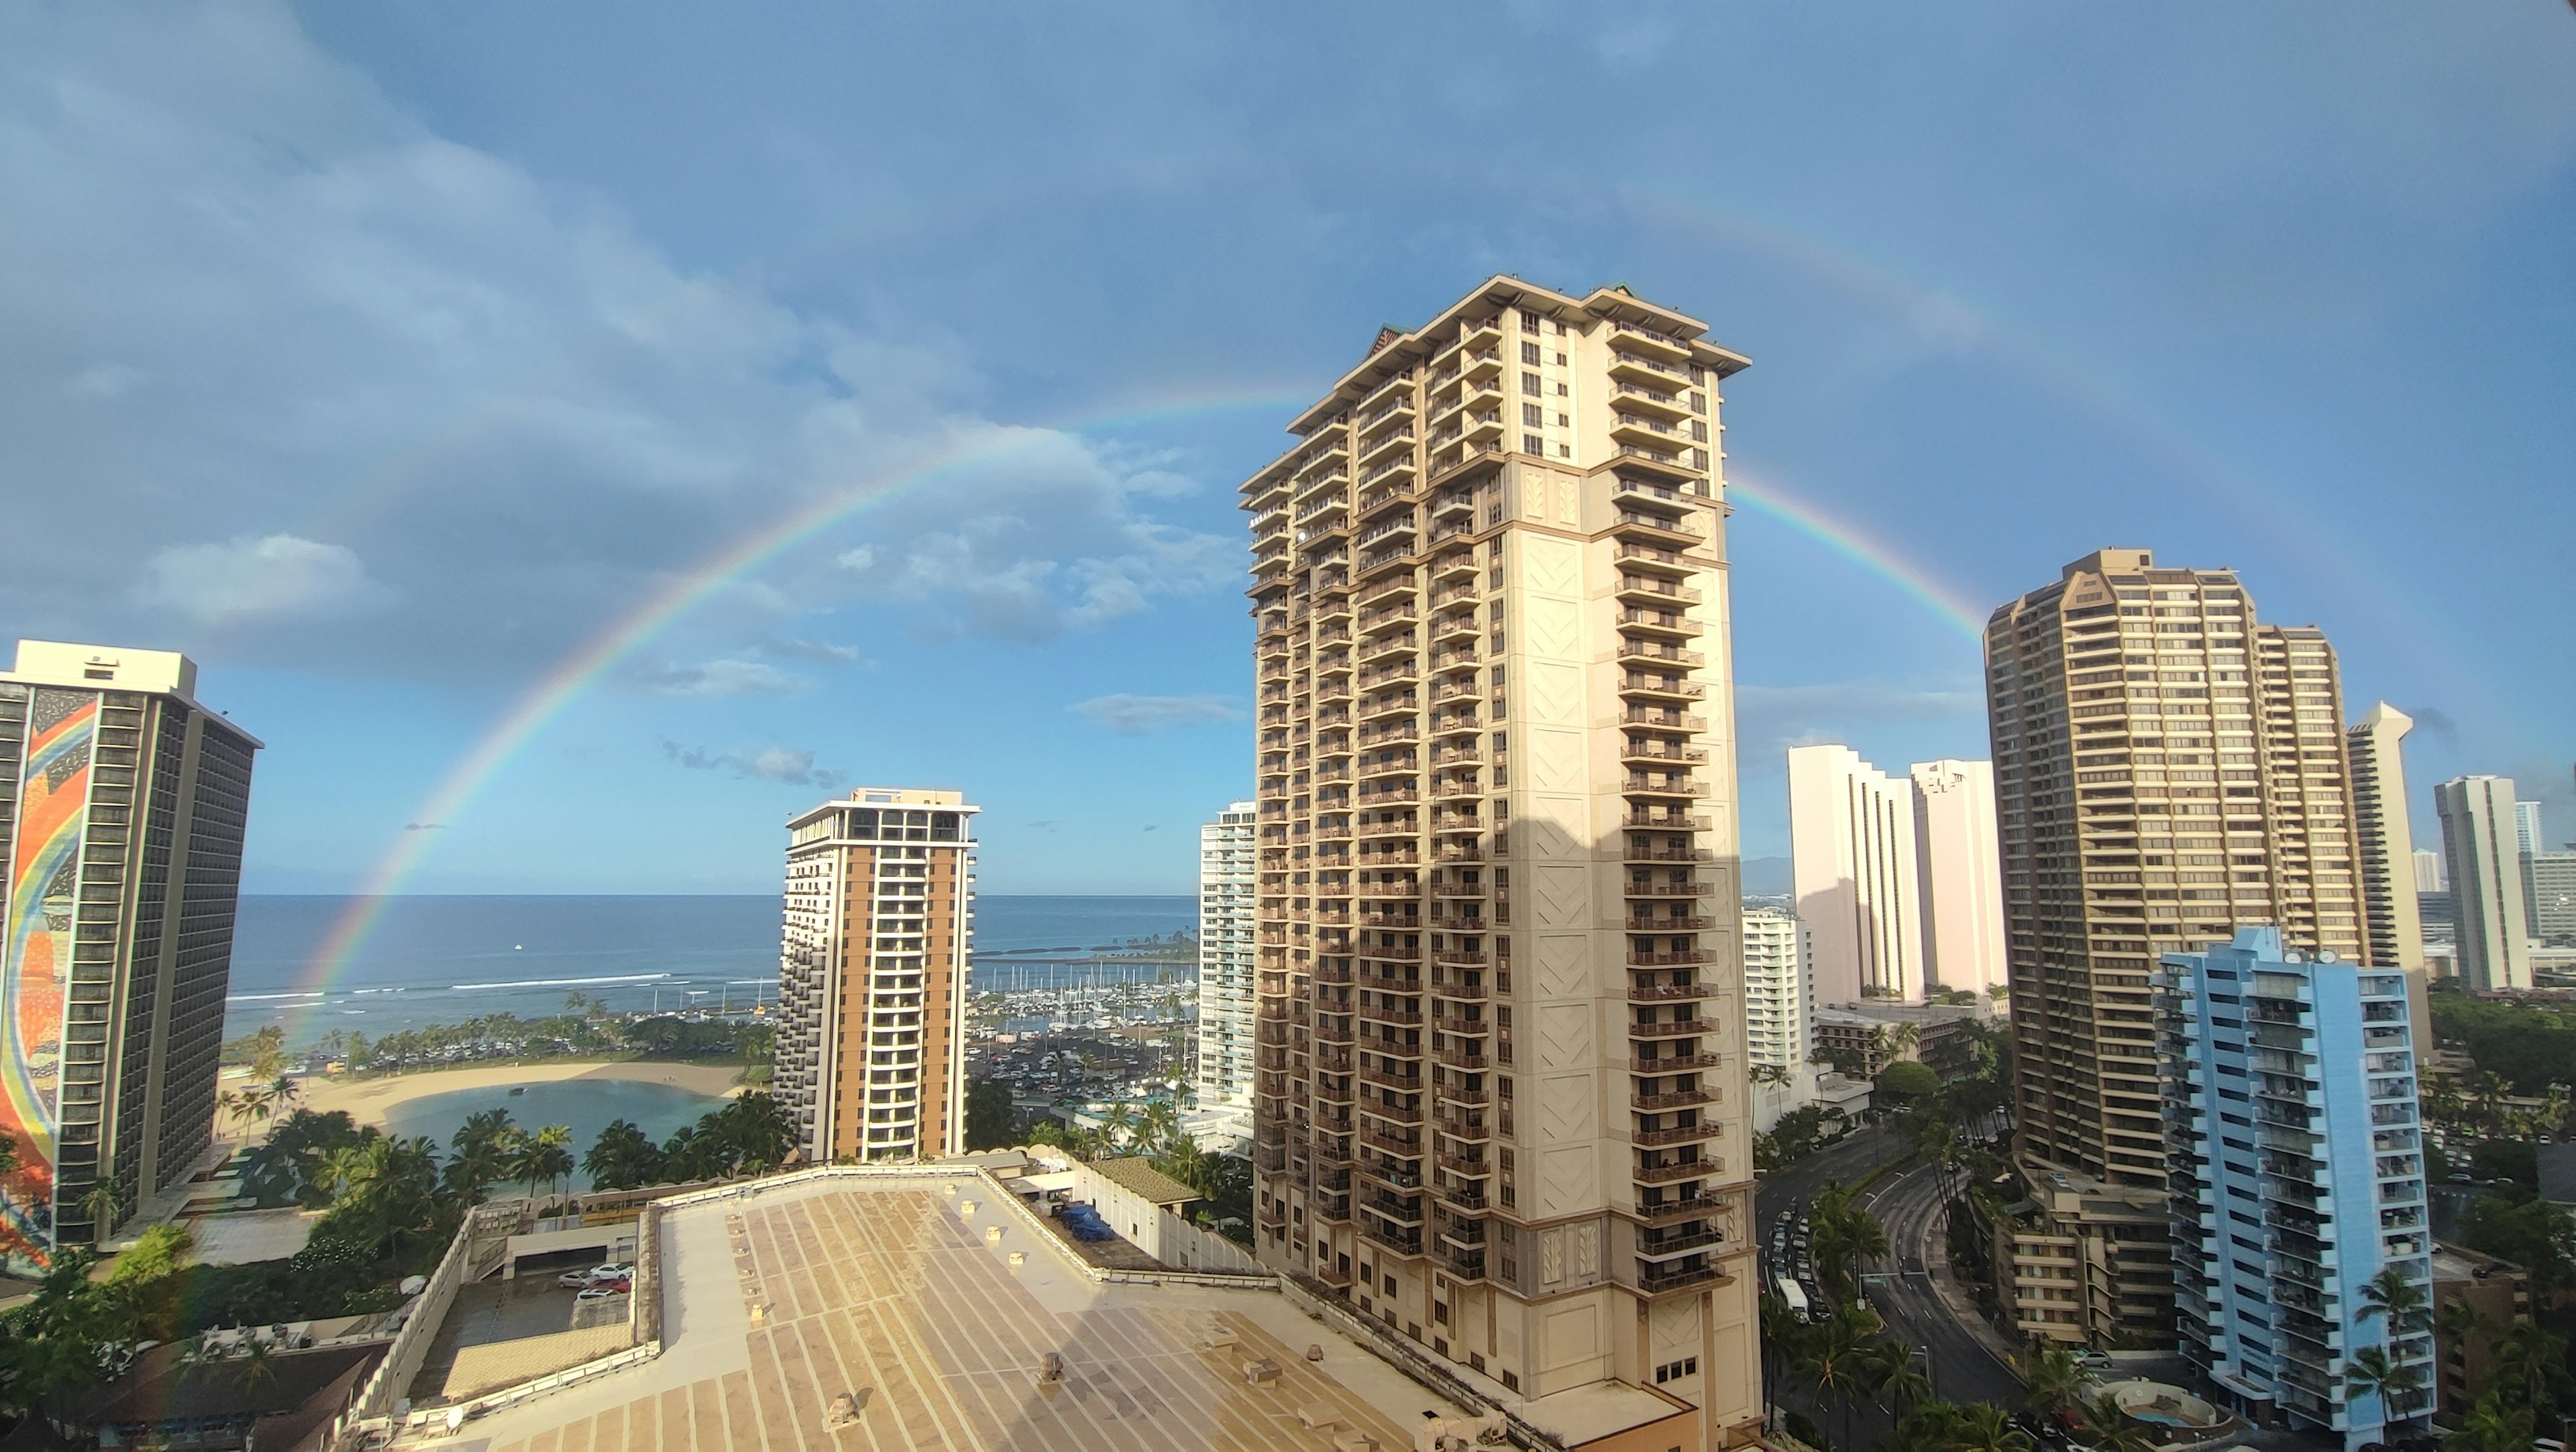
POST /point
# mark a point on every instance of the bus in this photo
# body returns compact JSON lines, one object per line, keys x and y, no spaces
{"x":1796,"y":1297}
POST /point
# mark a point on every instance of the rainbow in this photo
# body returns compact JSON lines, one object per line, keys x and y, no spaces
{"x":578,"y":672}
{"x":1849,"y":542}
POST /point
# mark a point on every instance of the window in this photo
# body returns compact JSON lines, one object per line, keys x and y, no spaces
{"x":1529,"y":354}
{"x":1565,"y":420}
{"x":1529,"y":383}
{"x":1533,"y":444}
{"x":1688,"y":1366}
{"x":1532,"y":416}
{"x":1560,"y":354}
{"x":1529,"y":321}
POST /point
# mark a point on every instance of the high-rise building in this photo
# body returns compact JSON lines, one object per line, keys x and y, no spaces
{"x":2484,"y":862}
{"x":1500,"y":1105}
{"x":2298,"y":1177}
{"x":1857,"y":875}
{"x":2527,"y":837}
{"x":1962,"y":874}
{"x":2549,"y":895}
{"x":873,"y":970}
{"x":2383,"y":842}
{"x":122,"y":802}
{"x":1226,"y":989}
{"x":1779,"y":990}
{"x":2428,"y":871}
{"x":2166,"y":768}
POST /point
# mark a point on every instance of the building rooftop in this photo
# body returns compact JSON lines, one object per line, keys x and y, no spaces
{"x":1137,"y":1175}
{"x":902,"y":1291}
{"x":2455,"y":1263}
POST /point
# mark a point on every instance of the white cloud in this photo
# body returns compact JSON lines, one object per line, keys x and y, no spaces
{"x":304,"y":304}
{"x":1143,"y":715}
{"x":822,"y":651}
{"x":725,"y":677}
{"x":278,"y":577}
{"x":787,"y":765}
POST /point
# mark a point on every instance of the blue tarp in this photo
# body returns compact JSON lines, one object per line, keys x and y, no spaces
{"x":1085,"y":1223}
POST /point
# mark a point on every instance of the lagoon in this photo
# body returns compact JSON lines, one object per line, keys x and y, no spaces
{"x":587,"y":1105}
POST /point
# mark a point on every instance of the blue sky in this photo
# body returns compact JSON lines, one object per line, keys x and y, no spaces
{"x":383,"y":357}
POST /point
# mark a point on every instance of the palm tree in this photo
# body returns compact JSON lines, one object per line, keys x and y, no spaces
{"x":545,"y":1155}
{"x":2109,"y":1429}
{"x":256,"y":1368}
{"x":1897,"y":1382}
{"x":1835,"y":1367}
{"x":1119,"y":1124}
{"x":2493,"y":1425}
{"x":1902,"y":1038}
{"x":2371,"y":1372}
{"x":284,"y":1090}
{"x":1984,"y":1427}
{"x":2530,"y":1366}
{"x":622,"y":1158}
{"x":102,"y":1204}
{"x":2488,"y":1092}
{"x":2393,"y":1294}
{"x":2050,"y":1380}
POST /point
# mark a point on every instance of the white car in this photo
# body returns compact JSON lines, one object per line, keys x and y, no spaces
{"x":574,"y":1280}
{"x":598,"y":1293}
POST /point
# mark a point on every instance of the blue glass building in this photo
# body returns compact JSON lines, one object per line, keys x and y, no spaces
{"x":2297,"y":1176}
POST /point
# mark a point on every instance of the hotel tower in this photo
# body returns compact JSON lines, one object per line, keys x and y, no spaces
{"x":1500,"y":1101}
{"x":2166,"y":770}
{"x":873,"y":966}
{"x":122,"y":803}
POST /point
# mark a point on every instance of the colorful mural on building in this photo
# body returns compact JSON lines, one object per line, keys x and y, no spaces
{"x":36,"y":959}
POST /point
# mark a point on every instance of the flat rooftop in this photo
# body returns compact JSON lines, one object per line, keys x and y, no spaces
{"x":893,"y":1291}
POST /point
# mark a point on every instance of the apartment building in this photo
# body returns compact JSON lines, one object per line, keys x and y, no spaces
{"x":874,"y":965}
{"x":1857,"y":874}
{"x":1500,"y":1102}
{"x":122,"y":805}
{"x":2166,"y":768}
{"x":1779,"y":990}
{"x":1226,"y":989}
{"x":1962,"y":874}
{"x":2383,"y":839}
{"x":2482,"y":851}
{"x":2297,"y":1169}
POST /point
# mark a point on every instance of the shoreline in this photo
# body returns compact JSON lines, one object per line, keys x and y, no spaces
{"x":369,"y":1100}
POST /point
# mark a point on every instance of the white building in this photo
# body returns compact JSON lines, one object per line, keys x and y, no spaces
{"x":1779,"y":989}
{"x":2484,"y":859}
{"x":1963,"y":878}
{"x":2428,"y":871}
{"x":2391,"y":918}
{"x":1858,"y":881}
{"x":1226,"y":989}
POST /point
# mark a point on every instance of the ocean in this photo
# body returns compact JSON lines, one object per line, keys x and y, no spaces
{"x":445,"y":959}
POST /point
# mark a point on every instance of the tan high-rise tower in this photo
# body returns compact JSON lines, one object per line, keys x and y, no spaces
{"x":2385,"y":844}
{"x":2165,"y":769}
{"x":1501,"y":1099}
{"x":872,"y":974}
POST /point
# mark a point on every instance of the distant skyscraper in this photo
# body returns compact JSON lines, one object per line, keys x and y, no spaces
{"x":1226,"y":988}
{"x":2526,"y":828}
{"x":1500,"y":1100}
{"x":1779,"y":991}
{"x":2549,"y":895}
{"x":1962,"y":874}
{"x":2165,"y":769}
{"x":2428,"y":871}
{"x":2383,"y":846}
{"x":2483,"y":859}
{"x":2289,"y":1199}
{"x":1858,"y":880}
{"x":122,"y":803}
{"x":872,"y":974}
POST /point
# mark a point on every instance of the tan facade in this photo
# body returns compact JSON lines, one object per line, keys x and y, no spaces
{"x":2166,"y":768}
{"x":2385,"y":840}
{"x":1500,"y":1100}
{"x":874,"y":963}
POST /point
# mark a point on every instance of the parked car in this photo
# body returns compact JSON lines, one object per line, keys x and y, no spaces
{"x":601,"y":1293}
{"x":578,"y":1280}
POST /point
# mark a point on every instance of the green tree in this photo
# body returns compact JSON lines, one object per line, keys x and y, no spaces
{"x":2109,"y":1429}
{"x":1985,"y":1428}
{"x":1904,"y":1082}
{"x":988,"y":1114}
{"x":1835,"y":1366}
{"x":2494,"y":1425}
{"x":2371,"y":1372}
{"x":622,"y":1158}
{"x":1894,"y":1378}
{"x":544,"y":1155}
{"x":2051,"y":1379}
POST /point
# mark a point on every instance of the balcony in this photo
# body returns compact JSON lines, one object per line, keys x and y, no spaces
{"x":1670,"y":957}
{"x":1687,"y":1134}
{"x":1675,"y":1063}
{"x":1677,"y":1099}
{"x":1666,"y":1212}
{"x":1654,"y":1277}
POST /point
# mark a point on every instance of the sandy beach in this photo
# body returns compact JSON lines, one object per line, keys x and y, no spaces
{"x":368,"y":1100}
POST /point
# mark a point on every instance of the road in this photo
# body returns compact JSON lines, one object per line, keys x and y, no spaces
{"x":1963,"y":1364}
{"x":1967,"y":1357}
